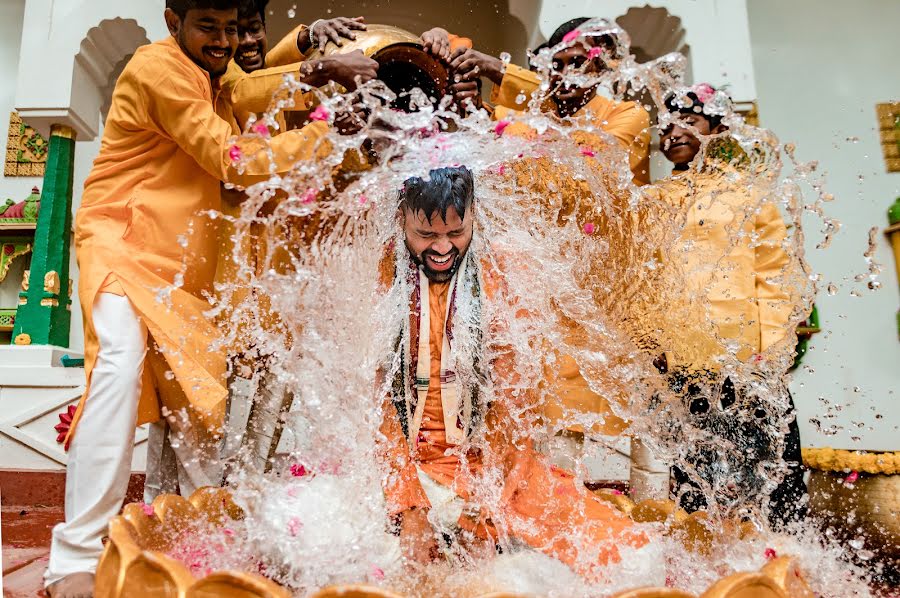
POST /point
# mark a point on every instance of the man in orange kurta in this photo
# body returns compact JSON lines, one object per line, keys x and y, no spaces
{"x":146,"y":255}
{"x":433,"y":410}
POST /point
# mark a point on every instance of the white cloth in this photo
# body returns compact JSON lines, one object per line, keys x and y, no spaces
{"x":649,"y":475}
{"x":99,"y":462}
{"x":446,"y":506}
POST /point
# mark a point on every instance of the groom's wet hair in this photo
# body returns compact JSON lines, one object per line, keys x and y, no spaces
{"x":444,"y":188}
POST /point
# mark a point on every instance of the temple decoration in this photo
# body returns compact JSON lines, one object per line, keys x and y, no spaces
{"x":893,"y":233}
{"x":65,"y":422}
{"x":805,"y":332}
{"x":26,"y":150}
{"x":18,"y":221}
{"x":889,"y":127}
{"x":44,"y":314}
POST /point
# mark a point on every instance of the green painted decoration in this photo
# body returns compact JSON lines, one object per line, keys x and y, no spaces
{"x":44,"y":315}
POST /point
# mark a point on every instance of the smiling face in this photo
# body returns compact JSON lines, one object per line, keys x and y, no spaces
{"x":252,"y":43}
{"x":679,"y":144}
{"x":569,"y":98}
{"x":438,"y":245}
{"x":207,"y":36}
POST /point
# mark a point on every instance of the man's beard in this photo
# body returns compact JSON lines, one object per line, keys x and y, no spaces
{"x":436,"y":275}
{"x":198,"y":60}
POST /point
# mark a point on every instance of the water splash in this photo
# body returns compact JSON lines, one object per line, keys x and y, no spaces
{"x":593,"y":269}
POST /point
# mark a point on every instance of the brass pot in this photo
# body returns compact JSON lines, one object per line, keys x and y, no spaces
{"x":403,"y":62}
{"x":867,"y":508}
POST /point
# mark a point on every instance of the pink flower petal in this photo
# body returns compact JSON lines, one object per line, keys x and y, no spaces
{"x":234,"y":153}
{"x":294,"y":526}
{"x":501,"y":169}
{"x":500,"y":127}
{"x":617,"y":492}
{"x":298,"y":470}
{"x":704,"y":91}
{"x":148,"y":509}
{"x":377,"y":572}
{"x":586,"y":151}
{"x":851,"y":477}
{"x":589,"y":228}
{"x":261,"y":129}
{"x":770,"y":554}
{"x":595,"y":52}
{"x":571,"y":36}
{"x":309,"y":196}
{"x":362,"y":198}
{"x":320,"y":113}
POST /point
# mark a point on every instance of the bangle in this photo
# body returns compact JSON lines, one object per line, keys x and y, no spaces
{"x":312,"y":41}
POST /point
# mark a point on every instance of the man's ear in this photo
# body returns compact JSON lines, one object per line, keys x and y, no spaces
{"x":173,"y":21}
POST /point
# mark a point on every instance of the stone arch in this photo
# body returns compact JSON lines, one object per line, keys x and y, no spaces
{"x":102,"y":55}
{"x":655,"y":32}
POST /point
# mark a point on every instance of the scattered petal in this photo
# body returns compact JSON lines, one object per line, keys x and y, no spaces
{"x":294,"y":526}
{"x":298,"y":470}
{"x":261,"y":129}
{"x":586,"y":151}
{"x":501,"y":169}
{"x":571,"y":36}
{"x":148,"y":509}
{"x":595,"y":52}
{"x":320,"y":113}
{"x":770,"y":554}
{"x":703,"y":91}
{"x":234,"y":153}
{"x":377,"y":572}
{"x":589,"y":228}
{"x":309,"y":196}
{"x":851,"y":477}
{"x":500,"y":127}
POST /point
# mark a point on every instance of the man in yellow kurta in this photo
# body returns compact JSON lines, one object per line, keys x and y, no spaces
{"x":514,"y":87}
{"x":437,"y":403}
{"x":146,"y":255}
{"x":736,"y":290}
{"x":627,"y":122}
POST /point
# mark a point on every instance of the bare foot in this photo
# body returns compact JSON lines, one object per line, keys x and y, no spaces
{"x":76,"y":585}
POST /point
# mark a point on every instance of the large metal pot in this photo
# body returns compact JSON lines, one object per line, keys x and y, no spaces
{"x":403,"y":62}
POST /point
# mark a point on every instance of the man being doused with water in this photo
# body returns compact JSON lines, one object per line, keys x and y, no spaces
{"x":740,"y":288}
{"x":439,"y":410}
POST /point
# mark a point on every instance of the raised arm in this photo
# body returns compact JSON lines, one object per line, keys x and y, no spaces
{"x":179,"y":107}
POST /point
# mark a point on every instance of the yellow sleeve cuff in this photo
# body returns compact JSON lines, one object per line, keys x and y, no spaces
{"x":286,"y":51}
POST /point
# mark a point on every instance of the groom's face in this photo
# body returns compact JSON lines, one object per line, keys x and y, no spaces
{"x":437,"y":244}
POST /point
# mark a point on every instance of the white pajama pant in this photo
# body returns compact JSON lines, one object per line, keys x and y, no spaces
{"x":99,"y":460}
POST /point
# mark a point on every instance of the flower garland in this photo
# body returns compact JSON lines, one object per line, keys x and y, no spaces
{"x":828,"y":459}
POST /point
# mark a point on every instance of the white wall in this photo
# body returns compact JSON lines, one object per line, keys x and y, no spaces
{"x":821,"y":66}
{"x":11,"y":13}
